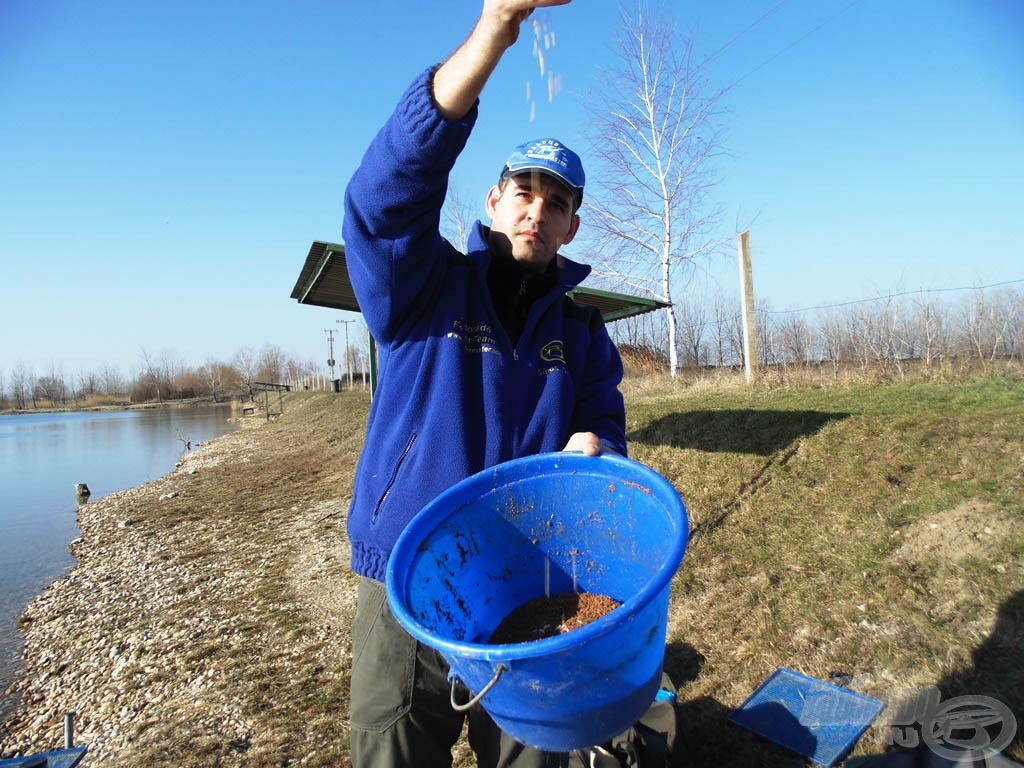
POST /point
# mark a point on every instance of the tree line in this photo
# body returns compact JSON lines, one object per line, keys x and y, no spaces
{"x":159,"y":378}
{"x":983,"y":328}
{"x":888,"y":336}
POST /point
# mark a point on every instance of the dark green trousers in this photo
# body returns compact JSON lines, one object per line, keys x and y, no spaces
{"x":401,"y":714}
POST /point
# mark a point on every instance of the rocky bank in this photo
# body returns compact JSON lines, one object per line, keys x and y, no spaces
{"x":206,"y":622}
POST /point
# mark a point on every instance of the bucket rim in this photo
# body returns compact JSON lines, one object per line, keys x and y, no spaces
{"x":425,"y":521}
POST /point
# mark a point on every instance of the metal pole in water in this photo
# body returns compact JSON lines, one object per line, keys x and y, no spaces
{"x":69,"y":730}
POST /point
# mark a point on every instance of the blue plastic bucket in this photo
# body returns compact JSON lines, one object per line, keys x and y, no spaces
{"x":537,"y":526}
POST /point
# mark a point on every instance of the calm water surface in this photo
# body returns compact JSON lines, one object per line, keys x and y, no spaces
{"x":42,"y":457}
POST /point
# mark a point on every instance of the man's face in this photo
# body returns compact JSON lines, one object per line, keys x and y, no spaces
{"x":532,"y":216}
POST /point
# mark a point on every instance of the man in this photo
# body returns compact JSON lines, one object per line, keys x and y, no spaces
{"x":483,"y":359}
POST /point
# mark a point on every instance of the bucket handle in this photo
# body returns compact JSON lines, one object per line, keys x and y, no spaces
{"x":476,"y":699}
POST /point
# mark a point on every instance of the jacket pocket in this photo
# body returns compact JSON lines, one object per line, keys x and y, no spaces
{"x":394,"y":476}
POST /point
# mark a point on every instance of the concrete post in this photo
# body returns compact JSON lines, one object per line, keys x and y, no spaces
{"x":749,"y":313}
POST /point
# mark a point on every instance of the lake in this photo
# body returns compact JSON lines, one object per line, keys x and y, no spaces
{"x":42,"y":458}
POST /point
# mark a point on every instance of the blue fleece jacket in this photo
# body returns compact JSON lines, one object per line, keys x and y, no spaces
{"x":454,"y":395}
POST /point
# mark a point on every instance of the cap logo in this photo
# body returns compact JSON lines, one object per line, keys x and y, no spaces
{"x":547,"y":150}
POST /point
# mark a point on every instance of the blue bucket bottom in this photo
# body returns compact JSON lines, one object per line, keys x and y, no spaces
{"x":574,"y":690}
{"x":593,"y":723}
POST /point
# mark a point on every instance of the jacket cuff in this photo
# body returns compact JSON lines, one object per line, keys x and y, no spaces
{"x":423,"y":122}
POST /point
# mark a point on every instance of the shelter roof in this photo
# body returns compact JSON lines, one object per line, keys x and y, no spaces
{"x":324,"y":282}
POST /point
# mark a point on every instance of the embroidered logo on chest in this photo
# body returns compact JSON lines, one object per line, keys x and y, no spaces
{"x":553,"y":352}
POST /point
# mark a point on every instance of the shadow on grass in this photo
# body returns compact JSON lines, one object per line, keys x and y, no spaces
{"x":737,"y":431}
{"x":772,"y":434}
{"x":710,"y":738}
{"x":998,"y":663}
{"x":683,"y":662}
{"x":973,"y":716}
{"x":706,"y":735}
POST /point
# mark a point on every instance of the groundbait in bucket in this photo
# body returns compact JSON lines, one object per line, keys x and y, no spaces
{"x":537,"y":526}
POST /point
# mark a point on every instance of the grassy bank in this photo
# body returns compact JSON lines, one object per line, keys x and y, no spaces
{"x":873,"y":531}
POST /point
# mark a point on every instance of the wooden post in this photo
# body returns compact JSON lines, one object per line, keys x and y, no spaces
{"x":749,"y":314}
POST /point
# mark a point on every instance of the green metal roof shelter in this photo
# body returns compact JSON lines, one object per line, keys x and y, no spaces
{"x":324,"y":282}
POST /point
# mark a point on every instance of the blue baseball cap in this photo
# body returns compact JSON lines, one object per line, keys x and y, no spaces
{"x":551,"y":157}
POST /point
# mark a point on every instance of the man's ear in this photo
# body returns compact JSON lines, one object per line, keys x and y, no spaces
{"x":573,"y":228}
{"x":493,"y":195}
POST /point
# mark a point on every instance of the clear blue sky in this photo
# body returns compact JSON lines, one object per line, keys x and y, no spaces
{"x":164,"y":167}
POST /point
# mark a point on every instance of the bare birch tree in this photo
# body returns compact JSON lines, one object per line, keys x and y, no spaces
{"x":654,"y":131}
{"x":213,"y":372}
{"x":693,"y":318}
{"x":271,"y":364}
{"x":245,"y":364}
{"x":152,"y":372}
{"x":21,"y":384}
{"x":111,"y":380}
{"x":719,"y":353}
{"x":834,"y":341}
{"x":991,"y":323}
{"x":796,"y":340}
{"x":457,"y":218}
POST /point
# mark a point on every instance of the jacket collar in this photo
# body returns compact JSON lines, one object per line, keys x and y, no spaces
{"x":570,"y":273}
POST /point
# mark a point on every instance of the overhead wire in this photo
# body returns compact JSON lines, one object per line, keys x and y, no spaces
{"x":771,"y":12}
{"x":892,"y":296}
{"x":793,"y":44}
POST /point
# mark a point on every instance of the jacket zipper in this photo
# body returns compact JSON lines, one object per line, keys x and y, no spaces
{"x":519,"y":309}
{"x":394,"y":477}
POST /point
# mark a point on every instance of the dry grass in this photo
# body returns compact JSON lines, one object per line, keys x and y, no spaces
{"x":873,"y":531}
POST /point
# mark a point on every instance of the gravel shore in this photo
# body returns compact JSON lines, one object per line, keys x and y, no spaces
{"x":206,"y":622}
